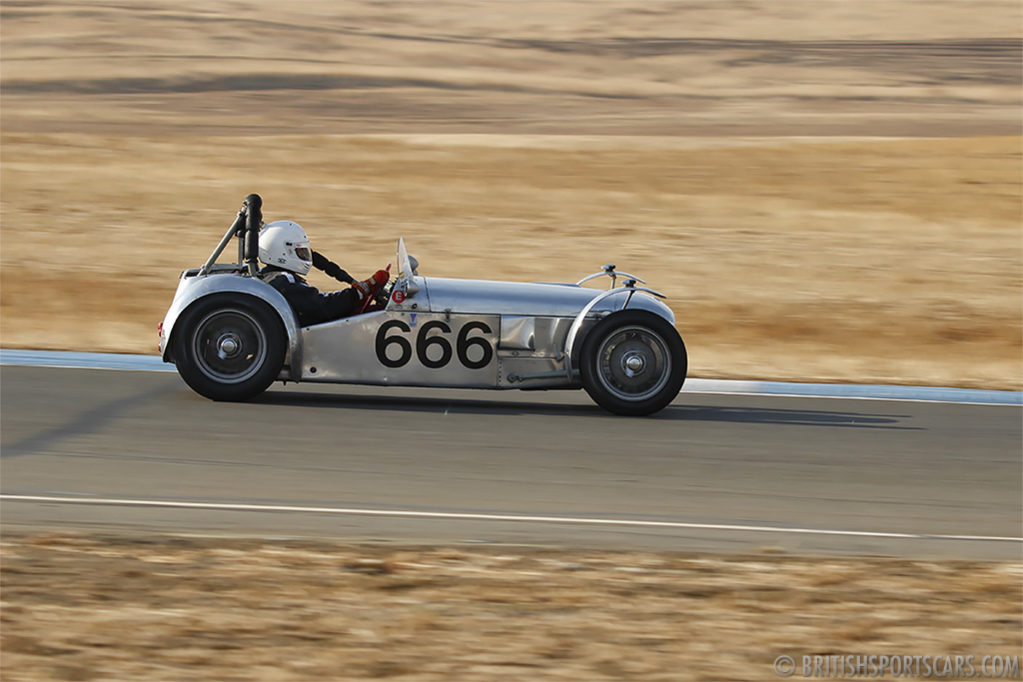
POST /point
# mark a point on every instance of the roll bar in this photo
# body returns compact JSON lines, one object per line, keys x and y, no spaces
{"x":253,"y":221}
{"x":246,"y":227}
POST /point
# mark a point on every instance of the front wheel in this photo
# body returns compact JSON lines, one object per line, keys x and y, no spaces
{"x":633,"y":363}
{"x":230,"y":347}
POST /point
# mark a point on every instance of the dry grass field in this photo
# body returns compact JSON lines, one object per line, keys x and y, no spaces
{"x":826,"y":191}
{"x":79,"y":607}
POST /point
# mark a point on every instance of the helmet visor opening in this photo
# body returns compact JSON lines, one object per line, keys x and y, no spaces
{"x":303,"y":253}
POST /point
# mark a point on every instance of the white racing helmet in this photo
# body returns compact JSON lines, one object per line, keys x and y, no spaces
{"x":284,"y":244}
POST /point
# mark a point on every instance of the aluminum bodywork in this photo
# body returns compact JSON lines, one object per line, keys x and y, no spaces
{"x":541,"y":323}
{"x":435,"y":331}
{"x":519,"y":298}
{"x":404,"y":348}
{"x":412,"y":348}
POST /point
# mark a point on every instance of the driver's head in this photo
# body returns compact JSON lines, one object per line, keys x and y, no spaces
{"x":285,"y":245}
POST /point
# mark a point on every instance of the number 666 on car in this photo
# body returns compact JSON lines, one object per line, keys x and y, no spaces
{"x":232,"y":335}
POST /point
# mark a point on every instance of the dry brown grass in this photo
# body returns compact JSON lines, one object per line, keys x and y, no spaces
{"x":870,"y":261}
{"x":538,"y":143}
{"x":81,"y":607}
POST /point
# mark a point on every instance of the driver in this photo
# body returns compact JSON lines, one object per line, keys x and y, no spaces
{"x":284,"y":249}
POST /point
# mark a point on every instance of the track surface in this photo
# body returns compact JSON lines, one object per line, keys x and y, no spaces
{"x":707,"y":461}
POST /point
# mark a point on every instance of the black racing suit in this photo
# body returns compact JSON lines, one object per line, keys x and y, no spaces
{"x":310,"y":305}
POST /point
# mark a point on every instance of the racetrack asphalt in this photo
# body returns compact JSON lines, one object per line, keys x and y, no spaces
{"x":117,"y":450}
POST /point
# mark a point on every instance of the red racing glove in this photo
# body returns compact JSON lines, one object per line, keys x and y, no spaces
{"x":373,"y":284}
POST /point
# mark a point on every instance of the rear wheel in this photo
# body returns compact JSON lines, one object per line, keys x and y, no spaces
{"x":230,"y":347}
{"x":633,"y":363}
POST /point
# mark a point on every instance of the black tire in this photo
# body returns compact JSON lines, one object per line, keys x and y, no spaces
{"x":633,"y":363}
{"x":229,"y":347}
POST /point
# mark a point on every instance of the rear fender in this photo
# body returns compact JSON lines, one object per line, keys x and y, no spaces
{"x":194,"y":288}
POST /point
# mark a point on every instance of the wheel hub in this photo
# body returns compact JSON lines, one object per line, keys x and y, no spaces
{"x":228,"y":345}
{"x":633,"y":363}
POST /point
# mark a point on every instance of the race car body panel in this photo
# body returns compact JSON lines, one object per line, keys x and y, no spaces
{"x":470,"y":296}
{"x":405,"y":348}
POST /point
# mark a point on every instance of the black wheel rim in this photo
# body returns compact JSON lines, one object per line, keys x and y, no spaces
{"x":633,"y":364}
{"x":230,"y":346}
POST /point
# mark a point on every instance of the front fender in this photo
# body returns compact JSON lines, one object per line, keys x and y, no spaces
{"x":606,"y":303}
{"x":192,"y":288}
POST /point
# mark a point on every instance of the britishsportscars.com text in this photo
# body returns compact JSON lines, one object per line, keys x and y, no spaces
{"x":948,"y":667}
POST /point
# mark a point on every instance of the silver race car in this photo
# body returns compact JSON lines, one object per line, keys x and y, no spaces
{"x":231,"y":335}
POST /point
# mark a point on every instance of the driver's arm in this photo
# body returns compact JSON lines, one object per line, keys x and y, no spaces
{"x":310,"y":305}
{"x":321,"y":262}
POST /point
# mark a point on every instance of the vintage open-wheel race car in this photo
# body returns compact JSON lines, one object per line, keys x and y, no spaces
{"x":231,"y":335}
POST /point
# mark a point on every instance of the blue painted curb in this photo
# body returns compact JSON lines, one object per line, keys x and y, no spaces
{"x":153,"y":363}
{"x":52,"y":358}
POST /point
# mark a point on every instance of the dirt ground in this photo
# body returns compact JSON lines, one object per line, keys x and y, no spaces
{"x":81,"y":607}
{"x":825,"y":191}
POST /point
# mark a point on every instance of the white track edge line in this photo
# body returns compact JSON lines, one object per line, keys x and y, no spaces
{"x":467,"y":516}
